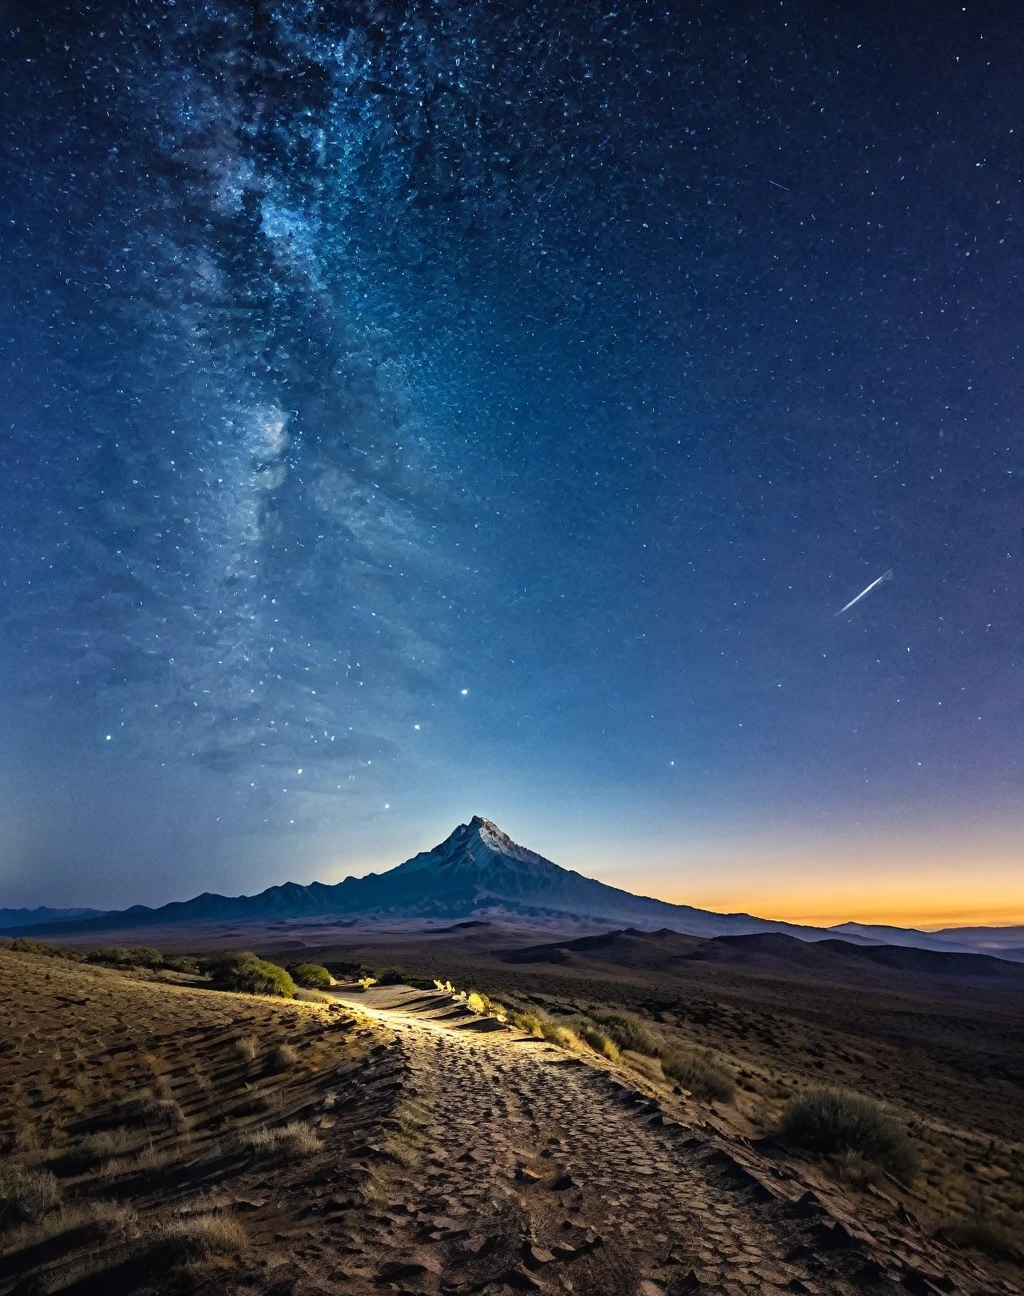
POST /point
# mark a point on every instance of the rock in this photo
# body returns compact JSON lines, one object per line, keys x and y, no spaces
{"x":648,"y":1288}
{"x":563,"y":1183}
{"x":526,"y":1176}
{"x":535,"y":1256}
{"x":522,"y":1280}
{"x":396,"y":1270}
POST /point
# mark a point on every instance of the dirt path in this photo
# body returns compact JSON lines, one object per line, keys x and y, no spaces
{"x":510,"y":1165}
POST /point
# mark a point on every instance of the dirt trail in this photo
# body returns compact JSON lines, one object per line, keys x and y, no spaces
{"x":512,"y":1165}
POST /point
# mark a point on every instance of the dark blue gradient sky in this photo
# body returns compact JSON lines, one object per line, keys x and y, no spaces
{"x":418,"y":411}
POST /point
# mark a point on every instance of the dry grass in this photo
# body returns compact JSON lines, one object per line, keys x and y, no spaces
{"x":292,"y":1140}
{"x":201,"y":1237}
{"x":247,"y":1047}
{"x":127,"y":1087}
{"x":980,"y":1231}
{"x":596,"y":1038}
{"x":26,"y":1195}
{"x":700,"y":1071}
{"x":150,"y":1111}
{"x":628,"y":1032}
{"x":283,"y":1058}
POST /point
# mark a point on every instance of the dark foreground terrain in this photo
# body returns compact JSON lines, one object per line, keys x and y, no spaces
{"x":163,"y":1136}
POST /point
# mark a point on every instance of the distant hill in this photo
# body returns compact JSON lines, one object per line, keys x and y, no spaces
{"x":19,"y":919}
{"x":768,"y":953}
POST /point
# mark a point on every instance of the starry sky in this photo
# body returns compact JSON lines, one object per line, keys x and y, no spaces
{"x":425,"y":409}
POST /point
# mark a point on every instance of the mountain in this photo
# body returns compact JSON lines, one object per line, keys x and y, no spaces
{"x":19,"y":919}
{"x":877,"y":934}
{"x":478,"y":873}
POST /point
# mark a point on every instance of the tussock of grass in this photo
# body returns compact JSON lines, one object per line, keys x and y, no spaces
{"x":148,"y":1110}
{"x":283,"y":1058}
{"x":648,"y":1067}
{"x":596,"y":1038}
{"x":701,"y":1072}
{"x":201,"y":1237}
{"x":103,"y":1146}
{"x":981,"y":1232}
{"x":835,"y":1121}
{"x":105,"y":1219}
{"x":247,"y":1047}
{"x":25,"y":1195}
{"x":628,"y":1032}
{"x":292,"y":1140}
{"x":528,"y":1023}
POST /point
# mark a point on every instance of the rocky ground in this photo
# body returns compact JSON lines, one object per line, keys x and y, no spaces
{"x":430,"y":1151}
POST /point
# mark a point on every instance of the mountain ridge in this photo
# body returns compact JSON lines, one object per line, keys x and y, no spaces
{"x":478,"y":871}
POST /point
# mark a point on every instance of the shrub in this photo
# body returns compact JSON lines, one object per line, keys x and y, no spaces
{"x":700,"y":1071}
{"x":597,"y":1039}
{"x":980,"y":1232}
{"x":313,"y":996}
{"x":311,"y":976}
{"x":836,"y":1121}
{"x":25,"y":1195}
{"x":127,"y":956}
{"x":283,"y":1058}
{"x":628,"y":1032}
{"x":391,"y":976}
{"x":293,"y":1140}
{"x":529,"y":1023}
{"x":181,"y":963}
{"x":244,"y":972}
{"x":202,"y":1236}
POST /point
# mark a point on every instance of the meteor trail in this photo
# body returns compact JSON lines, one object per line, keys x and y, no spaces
{"x":884,"y":577}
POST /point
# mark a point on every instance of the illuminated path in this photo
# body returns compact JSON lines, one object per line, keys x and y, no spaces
{"x":548,"y":1172}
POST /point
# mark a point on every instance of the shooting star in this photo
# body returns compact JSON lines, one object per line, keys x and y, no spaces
{"x":884,"y":577}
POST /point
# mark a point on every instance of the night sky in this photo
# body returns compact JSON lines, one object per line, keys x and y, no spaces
{"x":413,"y":411}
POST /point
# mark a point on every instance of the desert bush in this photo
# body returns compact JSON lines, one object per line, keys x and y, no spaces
{"x":313,"y":996}
{"x":127,"y":956}
{"x":648,"y":1067}
{"x":311,"y":976}
{"x":391,"y":976}
{"x":243,"y":971}
{"x":366,"y":981}
{"x":597,"y":1039}
{"x":26,"y":1195}
{"x":283,"y":1058}
{"x":834,"y":1121}
{"x":199,"y":1237}
{"x":628,"y":1032}
{"x":701,"y":1072}
{"x":982,"y":1232}
{"x":292,"y":1140}
{"x":181,"y":963}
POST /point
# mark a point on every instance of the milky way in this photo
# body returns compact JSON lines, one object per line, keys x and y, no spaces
{"x":412,"y":403}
